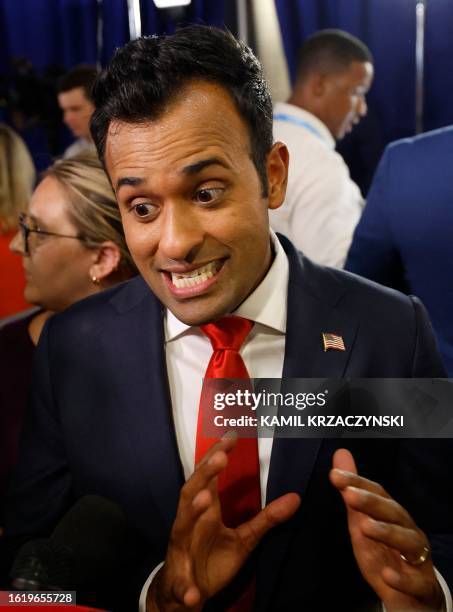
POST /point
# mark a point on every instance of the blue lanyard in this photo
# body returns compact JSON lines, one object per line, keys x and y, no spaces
{"x":297,"y":121}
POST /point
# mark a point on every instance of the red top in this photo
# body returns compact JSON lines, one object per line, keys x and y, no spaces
{"x":12,"y":281}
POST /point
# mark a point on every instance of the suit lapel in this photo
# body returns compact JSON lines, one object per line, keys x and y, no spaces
{"x":314,"y":299}
{"x":141,"y":383}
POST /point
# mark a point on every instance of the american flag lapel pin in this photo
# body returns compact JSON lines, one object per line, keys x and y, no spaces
{"x":333,"y":341}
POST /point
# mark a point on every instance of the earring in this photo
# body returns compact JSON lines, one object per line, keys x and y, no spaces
{"x":95,"y":280}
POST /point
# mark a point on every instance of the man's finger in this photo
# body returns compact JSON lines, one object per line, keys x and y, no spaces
{"x":226,"y":443}
{"x":377,"y":507}
{"x":178,"y":588}
{"x":410,"y":542}
{"x":343,"y":460}
{"x":202,"y":501}
{"x":278,"y":511}
{"x":344,"y":474}
{"x":205,"y":472}
{"x":198,"y":494}
{"x":192,"y":597}
{"x":186,"y":593}
{"x":342,"y":479}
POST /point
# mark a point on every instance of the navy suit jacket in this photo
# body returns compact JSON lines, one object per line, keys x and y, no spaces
{"x":404,"y":238}
{"x":101,"y":423}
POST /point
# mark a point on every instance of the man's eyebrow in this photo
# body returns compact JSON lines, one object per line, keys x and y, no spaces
{"x":197,"y":167}
{"x":190,"y":170}
{"x":132,"y":181}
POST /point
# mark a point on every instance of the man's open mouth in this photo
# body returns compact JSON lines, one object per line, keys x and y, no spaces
{"x":197,"y":276}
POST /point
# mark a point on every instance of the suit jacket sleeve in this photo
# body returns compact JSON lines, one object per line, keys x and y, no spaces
{"x":373,"y":252}
{"x":426,"y":362}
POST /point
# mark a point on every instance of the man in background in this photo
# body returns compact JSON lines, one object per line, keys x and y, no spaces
{"x":74,"y":99}
{"x":323,"y":204}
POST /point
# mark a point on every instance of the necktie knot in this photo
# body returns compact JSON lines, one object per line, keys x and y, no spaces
{"x":228,"y":333}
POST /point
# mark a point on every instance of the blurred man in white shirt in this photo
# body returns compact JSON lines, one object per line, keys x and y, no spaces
{"x":323,"y":204}
{"x":74,"y":99}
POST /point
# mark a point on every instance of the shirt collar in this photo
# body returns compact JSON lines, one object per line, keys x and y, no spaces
{"x":267,"y":304}
{"x":304,"y":115}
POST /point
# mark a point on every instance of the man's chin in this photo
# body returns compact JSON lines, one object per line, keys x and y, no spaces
{"x":197,"y":310}
{"x":344,"y":130}
{"x":200,"y":310}
{"x":194,"y":316}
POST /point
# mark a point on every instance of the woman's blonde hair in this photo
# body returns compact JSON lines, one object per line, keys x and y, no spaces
{"x":93,"y":208}
{"x":17,"y":177}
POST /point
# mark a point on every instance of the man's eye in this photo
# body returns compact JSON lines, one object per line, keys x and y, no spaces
{"x":206,"y":196}
{"x":143,"y":210}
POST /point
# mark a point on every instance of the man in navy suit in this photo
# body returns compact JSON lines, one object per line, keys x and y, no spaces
{"x":403,"y":239}
{"x":184,"y":125}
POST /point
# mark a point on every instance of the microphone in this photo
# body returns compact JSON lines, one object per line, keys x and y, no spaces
{"x":90,"y":545}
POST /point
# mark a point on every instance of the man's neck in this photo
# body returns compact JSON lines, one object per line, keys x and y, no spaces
{"x":303,"y":102}
{"x":305,"y":105}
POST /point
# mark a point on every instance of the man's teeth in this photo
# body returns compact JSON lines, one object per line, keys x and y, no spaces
{"x":195,"y":277}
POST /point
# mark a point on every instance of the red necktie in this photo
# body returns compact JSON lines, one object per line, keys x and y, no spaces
{"x":239,"y":483}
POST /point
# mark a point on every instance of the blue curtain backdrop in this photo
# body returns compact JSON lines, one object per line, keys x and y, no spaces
{"x":388,"y":28}
{"x":49,"y":32}
{"x":439,"y":64}
{"x":40,"y":39}
{"x":64,"y":31}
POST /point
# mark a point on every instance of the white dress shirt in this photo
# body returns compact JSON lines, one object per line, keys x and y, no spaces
{"x":188,"y":352}
{"x":323,"y":204}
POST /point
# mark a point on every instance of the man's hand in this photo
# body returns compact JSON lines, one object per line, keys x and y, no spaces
{"x":203,"y":555}
{"x":380,"y":530}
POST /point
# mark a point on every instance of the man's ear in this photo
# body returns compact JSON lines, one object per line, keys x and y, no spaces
{"x":317,"y":84}
{"x":107,"y":260}
{"x":277,"y":174}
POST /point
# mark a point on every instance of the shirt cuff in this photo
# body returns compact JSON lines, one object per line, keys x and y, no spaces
{"x":144,"y":593}
{"x":447,"y":605}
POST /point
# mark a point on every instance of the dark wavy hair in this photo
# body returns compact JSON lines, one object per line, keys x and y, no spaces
{"x":146,"y":74}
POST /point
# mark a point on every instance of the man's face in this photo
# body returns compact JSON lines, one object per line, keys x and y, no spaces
{"x":77,"y":110}
{"x":191,"y":202}
{"x":344,"y":94}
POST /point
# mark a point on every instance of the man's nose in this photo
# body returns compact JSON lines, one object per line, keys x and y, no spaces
{"x":181,"y":232}
{"x":362,"y":107}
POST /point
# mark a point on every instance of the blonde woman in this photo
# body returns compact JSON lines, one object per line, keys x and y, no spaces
{"x":17,"y":177}
{"x":72,"y":245}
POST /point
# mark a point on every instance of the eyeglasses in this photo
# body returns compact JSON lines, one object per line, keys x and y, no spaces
{"x":26,"y":231}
